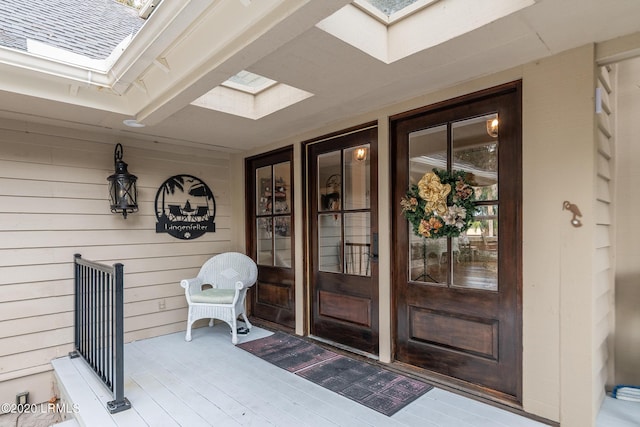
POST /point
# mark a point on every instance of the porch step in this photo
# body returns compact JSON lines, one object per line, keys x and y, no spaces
{"x":80,"y":388}
{"x":77,"y":389}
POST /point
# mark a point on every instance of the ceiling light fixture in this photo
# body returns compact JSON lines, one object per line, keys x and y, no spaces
{"x":133,"y":123}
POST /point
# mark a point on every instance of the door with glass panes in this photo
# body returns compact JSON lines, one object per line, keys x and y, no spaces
{"x":342,"y":236}
{"x":270,"y":236}
{"x":458,"y":299}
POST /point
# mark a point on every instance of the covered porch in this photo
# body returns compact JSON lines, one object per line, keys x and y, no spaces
{"x":209,"y":381}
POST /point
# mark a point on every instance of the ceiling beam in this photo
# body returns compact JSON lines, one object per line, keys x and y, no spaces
{"x":228,"y":38}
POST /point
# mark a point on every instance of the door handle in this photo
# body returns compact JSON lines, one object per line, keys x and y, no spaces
{"x":374,"y":247}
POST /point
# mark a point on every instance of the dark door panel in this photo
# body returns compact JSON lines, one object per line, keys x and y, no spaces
{"x":458,"y":299}
{"x":342,"y":221}
{"x":273,"y":297}
{"x":270,"y":235}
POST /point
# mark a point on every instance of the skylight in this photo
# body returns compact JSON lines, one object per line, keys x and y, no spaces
{"x":251,"y":95}
{"x":391,"y":11}
{"x":389,"y":7}
{"x":390,"y":30}
{"x":248,"y":82}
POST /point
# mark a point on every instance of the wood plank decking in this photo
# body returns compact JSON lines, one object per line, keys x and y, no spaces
{"x":210,"y":382}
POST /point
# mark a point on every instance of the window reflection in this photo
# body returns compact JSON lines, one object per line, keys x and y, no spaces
{"x":264,"y":195}
{"x":282,"y":242}
{"x":427,"y":150}
{"x":476,"y":151}
{"x":329,"y":182}
{"x":428,"y":259}
{"x":265,"y":236}
{"x":281,"y":188}
{"x":476,"y":264}
{"x":357,"y":189}
{"x":329,"y":243}
{"x":357,"y":244}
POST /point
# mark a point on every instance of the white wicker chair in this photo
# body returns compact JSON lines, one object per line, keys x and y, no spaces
{"x":230,"y":274}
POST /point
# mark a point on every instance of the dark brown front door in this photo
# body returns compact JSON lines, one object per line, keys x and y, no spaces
{"x":270,"y":235}
{"x":342,"y":236}
{"x":458,"y":299}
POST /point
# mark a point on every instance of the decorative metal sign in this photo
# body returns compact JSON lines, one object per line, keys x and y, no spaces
{"x":185,"y":207}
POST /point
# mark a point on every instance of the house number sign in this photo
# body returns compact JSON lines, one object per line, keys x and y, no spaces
{"x":185,"y":207}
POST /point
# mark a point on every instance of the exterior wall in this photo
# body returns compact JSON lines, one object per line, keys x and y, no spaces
{"x":559,"y":165}
{"x":627,"y":295}
{"x":561,"y":376}
{"x":54,"y":203}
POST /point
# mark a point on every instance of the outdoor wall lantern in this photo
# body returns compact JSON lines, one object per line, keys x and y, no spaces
{"x":122,"y":186}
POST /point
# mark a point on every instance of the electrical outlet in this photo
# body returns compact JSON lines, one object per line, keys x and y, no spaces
{"x":22,"y":398}
{"x":162,"y":304}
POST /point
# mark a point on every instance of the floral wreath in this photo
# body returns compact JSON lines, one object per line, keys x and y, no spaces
{"x":441,"y":205}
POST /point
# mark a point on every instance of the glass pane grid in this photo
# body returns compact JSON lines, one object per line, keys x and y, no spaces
{"x":273,"y":215}
{"x":471,"y":259}
{"x":344,"y":224}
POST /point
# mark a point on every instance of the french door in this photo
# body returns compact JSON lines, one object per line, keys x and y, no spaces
{"x":458,"y":299}
{"x":270,"y":235}
{"x":342,"y":238}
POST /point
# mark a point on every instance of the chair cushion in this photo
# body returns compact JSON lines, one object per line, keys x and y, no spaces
{"x":214,"y":296}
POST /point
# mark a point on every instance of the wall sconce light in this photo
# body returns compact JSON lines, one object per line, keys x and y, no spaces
{"x":492,"y":127}
{"x":122,"y":186}
{"x":360,"y":154}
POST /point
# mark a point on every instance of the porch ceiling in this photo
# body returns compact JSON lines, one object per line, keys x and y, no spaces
{"x":279,"y":39}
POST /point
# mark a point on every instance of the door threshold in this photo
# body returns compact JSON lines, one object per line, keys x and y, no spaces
{"x":472,"y":391}
{"x":459,"y":386}
{"x":344,"y":347}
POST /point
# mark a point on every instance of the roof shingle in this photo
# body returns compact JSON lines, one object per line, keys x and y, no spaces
{"x":89,"y":28}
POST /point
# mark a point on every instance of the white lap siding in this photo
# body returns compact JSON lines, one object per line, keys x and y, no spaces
{"x":53,"y":204}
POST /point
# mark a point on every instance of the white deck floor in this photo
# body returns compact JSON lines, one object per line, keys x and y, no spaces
{"x":209,"y":382}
